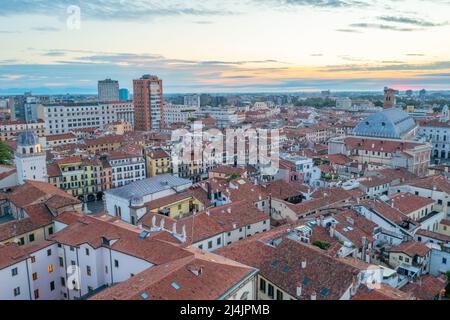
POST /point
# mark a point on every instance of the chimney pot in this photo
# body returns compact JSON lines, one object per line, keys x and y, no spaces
{"x":299,"y":290}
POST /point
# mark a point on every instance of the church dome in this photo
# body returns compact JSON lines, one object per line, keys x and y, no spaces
{"x":391,"y":123}
{"x":27,"y":138}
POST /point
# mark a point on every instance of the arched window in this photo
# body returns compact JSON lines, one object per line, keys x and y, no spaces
{"x":31,"y":150}
{"x":120,"y":212}
{"x":115,"y":210}
{"x":24,"y":150}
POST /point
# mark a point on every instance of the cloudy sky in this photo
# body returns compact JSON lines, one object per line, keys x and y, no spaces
{"x":225,"y":45}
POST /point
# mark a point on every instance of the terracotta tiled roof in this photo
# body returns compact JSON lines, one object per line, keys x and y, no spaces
{"x":68,"y":160}
{"x":361,"y":227}
{"x":386,"y":211}
{"x":104,"y":140}
{"x":197,"y":277}
{"x":92,"y":230}
{"x":434,"y":235}
{"x":281,"y":263}
{"x":11,"y":254}
{"x":158,"y":154}
{"x":411,"y":248}
{"x":281,"y":189}
{"x":390,"y":146}
{"x":212,"y":222}
{"x":437,"y":182}
{"x":53,"y":170}
{"x":64,"y":136}
{"x":384,"y":292}
{"x":33,"y":192}
{"x":337,"y":159}
{"x":408,"y":203}
{"x":427,"y":287}
{"x":38,"y":216}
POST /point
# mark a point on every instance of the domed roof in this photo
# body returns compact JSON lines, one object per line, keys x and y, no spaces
{"x":391,"y":123}
{"x":27,"y":138}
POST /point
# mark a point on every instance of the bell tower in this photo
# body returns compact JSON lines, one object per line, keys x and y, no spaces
{"x":390,"y":99}
{"x":30,"y":160}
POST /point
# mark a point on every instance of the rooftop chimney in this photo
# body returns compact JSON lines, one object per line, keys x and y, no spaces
{"x":299,"y":290}
{"x":313,"y":296}
{"x":303,"y":264}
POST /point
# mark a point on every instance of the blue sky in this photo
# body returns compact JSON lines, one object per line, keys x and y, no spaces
{"x":65,"y":46}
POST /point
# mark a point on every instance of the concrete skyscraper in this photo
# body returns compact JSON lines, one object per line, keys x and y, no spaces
{"x":108,"y":90}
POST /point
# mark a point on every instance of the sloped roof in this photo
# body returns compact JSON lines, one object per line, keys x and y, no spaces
{"x":391,"y":123}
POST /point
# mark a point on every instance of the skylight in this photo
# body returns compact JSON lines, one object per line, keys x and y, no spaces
{"x":306,"y":281}
{"x":324,"y":292}
{"x":143,"y":234}
{"x":176,"y":286}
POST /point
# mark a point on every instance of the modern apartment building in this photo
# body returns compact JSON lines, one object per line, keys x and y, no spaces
{"x":174,"y":113}
{"x":148,"y":103}
{"x":108,"y":90}
{"x":63,"y":118}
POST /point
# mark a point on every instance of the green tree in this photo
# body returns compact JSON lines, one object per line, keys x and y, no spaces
{"x":5,"y":154}
{"x":321,"y":244}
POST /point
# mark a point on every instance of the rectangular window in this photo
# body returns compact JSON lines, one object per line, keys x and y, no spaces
{"x":219,"y":241}
{"x":88,"y":270}
{"x":36,"y":294}
{"x":14,"y":272}
{"x":63,"y":282}
{"x":270,"y":291}
{"x":209,"y":244}
{"x":31,"y":237}
{"x":262,"y":285}
{"x":35,"y":276}
{"x":61,"y":262}
{"x":116,"y":263}
{"x":33,"y":259}
{"x":87,"y":251}
{"x":49,"y":252}
{"x":52,"y":286}
{"x":16,"y":291}
{"x":279,"y":295}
